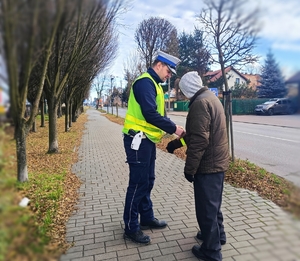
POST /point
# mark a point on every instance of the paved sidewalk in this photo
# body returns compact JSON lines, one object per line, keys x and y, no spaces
{"x":256,"y":228}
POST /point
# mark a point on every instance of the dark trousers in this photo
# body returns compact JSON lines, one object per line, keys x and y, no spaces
{"x":141,"y":181}
{"x":208,"y":189}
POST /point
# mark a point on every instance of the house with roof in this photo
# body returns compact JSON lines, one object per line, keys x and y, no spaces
{"x":293,"y":85}
{"x":253,"y":80}
{"x":233,"y":77}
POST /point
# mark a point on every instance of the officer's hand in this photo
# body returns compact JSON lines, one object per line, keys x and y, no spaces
{"x":189,"y":177}
{"x":180,"y":131}
{"x":173,"y":145}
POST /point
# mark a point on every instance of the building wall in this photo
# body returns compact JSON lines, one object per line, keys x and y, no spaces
{"x":234,"y":78}
{"x":253,"y":80}
{"x":292,"y":89}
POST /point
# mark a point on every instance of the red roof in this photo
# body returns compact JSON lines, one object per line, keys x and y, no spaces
{"x":253,"y":80}
{"x":215,"y":75}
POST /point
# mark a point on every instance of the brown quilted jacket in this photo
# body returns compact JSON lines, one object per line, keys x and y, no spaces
{"x":206,"y":135}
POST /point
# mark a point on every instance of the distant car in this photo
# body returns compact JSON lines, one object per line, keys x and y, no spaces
{"x":275,"y":106}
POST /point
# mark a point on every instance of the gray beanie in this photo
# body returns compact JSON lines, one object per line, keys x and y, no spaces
{"x":190,"y":83}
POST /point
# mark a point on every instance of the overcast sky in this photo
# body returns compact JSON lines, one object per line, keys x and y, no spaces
{"x":280,"y":30}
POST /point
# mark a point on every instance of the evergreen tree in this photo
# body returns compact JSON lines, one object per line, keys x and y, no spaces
{"x":272,"y":82}
{"x":192,"y":52}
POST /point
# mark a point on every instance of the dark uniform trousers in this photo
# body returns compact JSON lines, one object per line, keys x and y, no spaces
{"x":141,"y":181}
{"x":208,"y":189}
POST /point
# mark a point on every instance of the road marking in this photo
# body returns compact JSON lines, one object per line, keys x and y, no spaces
{"x":294,"y":141}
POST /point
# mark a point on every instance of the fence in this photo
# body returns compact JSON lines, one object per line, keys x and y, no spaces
{"x":239,"y":106}
{"x":181,"y":105}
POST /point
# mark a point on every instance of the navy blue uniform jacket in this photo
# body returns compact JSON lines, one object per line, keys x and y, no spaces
{"x":145,"y":94}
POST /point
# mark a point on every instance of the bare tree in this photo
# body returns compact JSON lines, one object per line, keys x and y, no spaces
{"x":133,"y":67}
{"x":92,"y":21}
{"x":85,"y":72}
{"x":100,"y":83}
{"x":28,"y":29}
{"x":156,"y":34}
{"x":232,"y":34}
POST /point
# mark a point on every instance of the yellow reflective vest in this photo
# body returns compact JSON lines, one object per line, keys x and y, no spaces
{"x":134,"y":118}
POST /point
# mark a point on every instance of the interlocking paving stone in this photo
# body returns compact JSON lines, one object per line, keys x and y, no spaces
{"x":256,"y":228}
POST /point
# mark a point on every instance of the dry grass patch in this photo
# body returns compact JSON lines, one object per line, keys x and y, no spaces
{"x":38,"y":231}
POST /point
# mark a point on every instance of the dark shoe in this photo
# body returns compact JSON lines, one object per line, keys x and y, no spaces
{"x":199,"y":236}
{"x":138,"y":237}
{"x":155,"y":224}
{"x":198,"y":253}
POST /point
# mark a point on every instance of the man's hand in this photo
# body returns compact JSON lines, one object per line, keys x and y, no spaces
{"x":180,"y":131}
{"x":189,"y":177}
{"x":173,"y":145}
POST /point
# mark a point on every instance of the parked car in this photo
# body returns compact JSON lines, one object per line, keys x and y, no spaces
{"x":275,"y":106}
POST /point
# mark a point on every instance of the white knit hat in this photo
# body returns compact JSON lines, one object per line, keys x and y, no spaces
{"x":190,"y":83}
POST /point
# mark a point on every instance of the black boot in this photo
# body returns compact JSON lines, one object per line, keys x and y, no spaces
{"x":199,"y":236}
{"x":154,"y":224}
{"x":196,"y":250}
{"x":138,"y":237}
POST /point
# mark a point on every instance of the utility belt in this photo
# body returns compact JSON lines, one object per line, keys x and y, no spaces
{"x":137,"y":138}
{"x":132,"y":136}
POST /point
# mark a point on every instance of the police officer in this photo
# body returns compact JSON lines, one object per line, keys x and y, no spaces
{"x":145,"y":116}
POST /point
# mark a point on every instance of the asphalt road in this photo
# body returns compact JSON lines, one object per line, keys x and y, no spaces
{"x":272,"y":147}
{"x":271,"y":142}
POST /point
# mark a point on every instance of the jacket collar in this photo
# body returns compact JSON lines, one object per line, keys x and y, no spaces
{"x":154,"y":75}
{"x":203,"y":89}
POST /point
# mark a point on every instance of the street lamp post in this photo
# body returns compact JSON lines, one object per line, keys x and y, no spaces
{"x":111,"y":90}
{"x":106,"y":102}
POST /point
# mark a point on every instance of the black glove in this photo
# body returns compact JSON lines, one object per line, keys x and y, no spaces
{"x":189,"y":177}
{"x":173,"y":145}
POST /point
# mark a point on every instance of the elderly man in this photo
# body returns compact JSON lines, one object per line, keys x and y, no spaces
{"x":207,"y":159}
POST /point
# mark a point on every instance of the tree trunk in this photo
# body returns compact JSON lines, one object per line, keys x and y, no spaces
{"x":225,"y":97}
{"x":20,"y":135}
{"x":52,"y":112}
{"x":231,"y":127}
{"x":74,"y":116}
{"x":70,"y":114}
{"x":67,"y":116}
{"x":227,"y":108}
{"x":42,"y":113}
{"x":59,"y":110}
{"x":34,"y":126}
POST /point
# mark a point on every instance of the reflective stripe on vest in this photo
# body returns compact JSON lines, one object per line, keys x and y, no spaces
{"x":182,"y":141}
{"x":134,"y":118}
